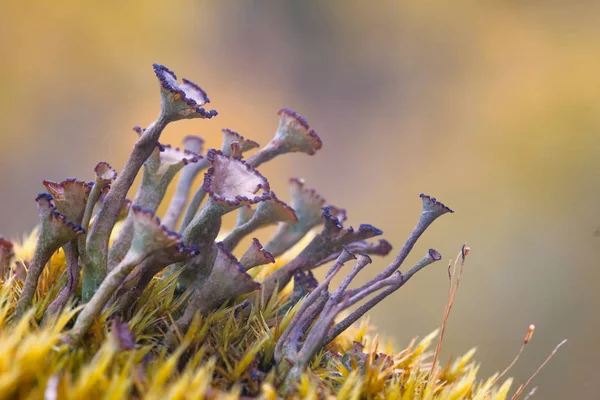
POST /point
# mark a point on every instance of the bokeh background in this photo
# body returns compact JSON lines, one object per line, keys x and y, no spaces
{"x":493,"y":107}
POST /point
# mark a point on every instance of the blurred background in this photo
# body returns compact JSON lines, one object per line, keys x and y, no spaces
{"x":494,"y":108}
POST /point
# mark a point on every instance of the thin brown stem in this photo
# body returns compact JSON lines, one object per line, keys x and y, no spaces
{"x":514,"y":361}
{"x":537,"y":371}
{"x":451,"y":295}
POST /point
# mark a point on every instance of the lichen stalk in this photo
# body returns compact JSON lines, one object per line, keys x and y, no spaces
{"x":431,"y":257}
{"x":227,"y":280}
{"x":43,"y":252}
{"x":431,"y":210}
{"x":70,"y":289}
{"x":158,"y":172}
{"x":184,"y":185}
{"x":97,"y":245}
{"x":56,"y":230}
{"x":201,"y":232}
{"x":267,"y":213}
{"x":302,"y":313}
{"x":91,"y":311}
{"x":329,"y":241}
{"x":192,"y":209}
{"x":137,"y":281}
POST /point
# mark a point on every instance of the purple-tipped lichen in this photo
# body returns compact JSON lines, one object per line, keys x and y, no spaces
{"x":181,"y":100}
{"x":256,"y":255}
{"x":55,"y":231}
{"x":293,"y":135}
{"x":142,"y":248}
{"x":229,"y":138}
{"x":196,"y":287}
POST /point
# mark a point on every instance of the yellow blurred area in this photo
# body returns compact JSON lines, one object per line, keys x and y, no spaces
{"x":492,"y":107}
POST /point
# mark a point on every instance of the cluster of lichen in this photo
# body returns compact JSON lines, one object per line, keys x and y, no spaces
{"x":102,"y":301}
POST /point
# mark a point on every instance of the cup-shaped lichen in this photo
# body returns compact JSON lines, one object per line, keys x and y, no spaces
{"x":198,"y":295}
{"x":142,"y":248}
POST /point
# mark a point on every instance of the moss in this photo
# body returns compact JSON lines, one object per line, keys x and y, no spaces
{"x":223,"y":354}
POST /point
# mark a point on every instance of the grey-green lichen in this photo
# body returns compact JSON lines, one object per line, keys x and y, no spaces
{"x":104,"y":301}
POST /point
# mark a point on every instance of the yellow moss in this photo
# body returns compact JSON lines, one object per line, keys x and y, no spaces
{"x":224,"y":355}
{"x":25,"y":248}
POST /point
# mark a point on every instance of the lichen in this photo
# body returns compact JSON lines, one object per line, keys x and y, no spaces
{"x":104,"y":301}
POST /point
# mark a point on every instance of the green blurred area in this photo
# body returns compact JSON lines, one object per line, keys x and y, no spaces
{"x":492,"y":107}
